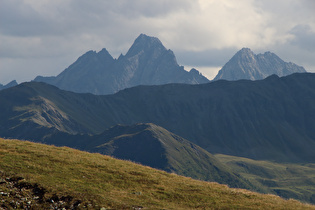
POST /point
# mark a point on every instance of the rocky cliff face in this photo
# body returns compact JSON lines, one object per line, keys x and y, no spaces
{"x":247,"y":65}
{"x":147,"y":62}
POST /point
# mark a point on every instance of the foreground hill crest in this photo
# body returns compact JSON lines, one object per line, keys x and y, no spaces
{"x":66,"y":178}
{"x":147,"y":62}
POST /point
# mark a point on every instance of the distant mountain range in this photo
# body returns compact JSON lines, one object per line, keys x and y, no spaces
{"x":147,"y":62}
{"x":247,"y":65}
{"x":256,"y":119}
{"x":10,"y":84}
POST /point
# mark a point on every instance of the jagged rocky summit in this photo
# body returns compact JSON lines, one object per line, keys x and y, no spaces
{"x":147,"y":62}
{"x":10,"y":84}
{"x":245,"y":64}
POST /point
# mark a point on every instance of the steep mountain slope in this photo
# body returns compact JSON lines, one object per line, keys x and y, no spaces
{"x":30,"y":112}
{"x":267,"y":119}
{"x":247,"y":65}
{"x":36,"y":176}
{"x":147,"y":62}
{"x":154,"y":146}
{"x":10,"y":84}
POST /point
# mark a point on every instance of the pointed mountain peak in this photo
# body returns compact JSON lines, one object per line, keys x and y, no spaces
{"x":105,"y":54}
{"x":245,"y":54}
{"x":245,"y":51}
{"x":10,"y":84}
{"x":145,"y":43}
{"x":142,"y":38}
{"x":103,"y":51}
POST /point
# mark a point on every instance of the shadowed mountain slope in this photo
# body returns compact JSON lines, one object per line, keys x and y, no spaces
{"x":154,"y":146}
{"x":247,"y":65}
{"x":147,"y":62}
{"x":268,"y":119}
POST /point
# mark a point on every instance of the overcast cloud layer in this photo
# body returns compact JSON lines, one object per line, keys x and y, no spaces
{"x":43,"y":37}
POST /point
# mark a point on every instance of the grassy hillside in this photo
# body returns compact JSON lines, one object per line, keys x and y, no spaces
{"x":154,"y":146}
{"x":287,"y":180}
{"x":52,"y":176}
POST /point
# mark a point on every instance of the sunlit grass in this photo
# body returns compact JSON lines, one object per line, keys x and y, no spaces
{"x":112,"y":183}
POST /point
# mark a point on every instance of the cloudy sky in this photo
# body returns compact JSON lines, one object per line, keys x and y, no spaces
{"x":43,"y":37}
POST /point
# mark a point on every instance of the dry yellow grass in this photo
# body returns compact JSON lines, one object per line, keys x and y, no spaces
{"x":117,"y":184}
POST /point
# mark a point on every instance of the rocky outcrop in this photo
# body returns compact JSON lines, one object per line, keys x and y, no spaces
{"x":17,"y":193}
{"x":247,"y":65}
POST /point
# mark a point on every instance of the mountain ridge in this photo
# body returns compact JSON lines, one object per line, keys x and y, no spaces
{"x":147,"y":62}
{"x":156,"y":147}
{"x":221,"y":116}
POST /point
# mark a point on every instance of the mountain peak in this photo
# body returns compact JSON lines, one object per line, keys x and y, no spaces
{"x":147,"y":62}
{"x":10,"y":84}
{"x":105,"y":55}
{"x":145,"y":43}
{"x":245,"y":64}
{"x":246,"y":50}
{"x":142,"y":38}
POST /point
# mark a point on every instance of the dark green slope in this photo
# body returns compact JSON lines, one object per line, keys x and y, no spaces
{"x":267,"y":119}
{"x":154,"y":146}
